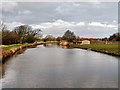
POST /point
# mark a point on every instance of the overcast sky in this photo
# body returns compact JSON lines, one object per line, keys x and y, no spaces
{"x":86,"y":19}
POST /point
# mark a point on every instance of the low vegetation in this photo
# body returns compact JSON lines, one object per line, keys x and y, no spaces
{"x":111,"y":49}
{"x":9,"y":47}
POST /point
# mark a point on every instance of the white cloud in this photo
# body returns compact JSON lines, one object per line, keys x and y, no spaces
{"x":13,"y":24}
{"x":80,"y":24}
{"x":65,"y":24}
{"x":59,"y":24}
{"x":112,"y":26}
{"x":26,"y":12}
{"x":98,"y":24}
{"x":58,"y":27}
{"x":94,"y":2}
{"x":9,"y":6}
{"x":37,"y":26}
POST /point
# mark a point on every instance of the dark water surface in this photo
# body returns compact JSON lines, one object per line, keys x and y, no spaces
{"x":49,"y":66}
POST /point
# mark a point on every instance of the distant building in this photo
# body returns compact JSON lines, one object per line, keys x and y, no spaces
{"x":85,"y":42}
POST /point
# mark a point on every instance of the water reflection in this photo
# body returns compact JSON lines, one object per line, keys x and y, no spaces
{"x":66,"y":47}
{"x":55,"y":67}
{"x":50,"y":45}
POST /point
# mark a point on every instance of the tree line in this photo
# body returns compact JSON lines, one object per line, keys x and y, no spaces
{"x":114,"y":37}
{"x":26,"y":34}
{"x":20,"y":34}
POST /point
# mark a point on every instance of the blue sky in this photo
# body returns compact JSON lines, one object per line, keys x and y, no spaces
{"x":86,"y":19}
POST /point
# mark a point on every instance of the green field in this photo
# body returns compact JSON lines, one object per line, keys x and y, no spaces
{"x":112,"y":49}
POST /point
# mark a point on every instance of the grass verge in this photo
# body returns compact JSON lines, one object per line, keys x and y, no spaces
{"x":111,"y":49}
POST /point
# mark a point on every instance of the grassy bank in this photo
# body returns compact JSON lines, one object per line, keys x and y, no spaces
{"x":111,"y":49}
{"x":9,"y":47}
{"x":9,"y":50}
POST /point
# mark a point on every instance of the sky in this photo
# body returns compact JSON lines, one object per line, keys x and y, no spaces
{"x":85,"y":19}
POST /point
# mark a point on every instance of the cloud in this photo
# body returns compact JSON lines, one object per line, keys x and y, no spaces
{"x":81,"y":24}
{"x":26,"y":12}
{"x":13,"y":25}
{"x":58,"y":24}
{"x":38,"y":26}
{"x":90,"y":19}
{"x":9,"y":6}
{"x":83,"y":29}
{"x":98,"y":24}
{"x":61,"y":24}
{"x":94,"y":2}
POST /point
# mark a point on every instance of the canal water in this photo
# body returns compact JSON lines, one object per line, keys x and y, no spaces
{"x":50,"y":66}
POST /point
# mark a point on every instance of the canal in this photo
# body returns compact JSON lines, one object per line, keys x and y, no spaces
{"x":50,"y":66}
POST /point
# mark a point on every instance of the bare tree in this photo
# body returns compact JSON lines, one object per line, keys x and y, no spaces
{"x":25,"y":31}
{"x":69,"y":36}
{"x":49,"y":38}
